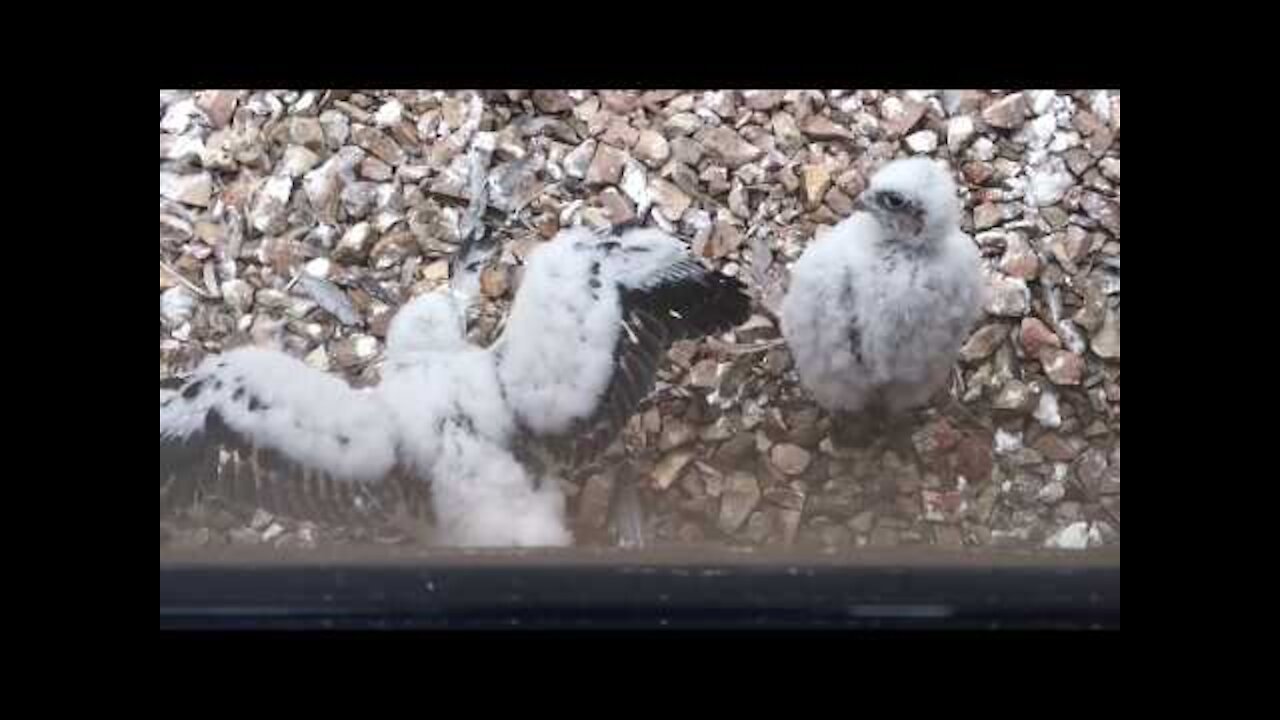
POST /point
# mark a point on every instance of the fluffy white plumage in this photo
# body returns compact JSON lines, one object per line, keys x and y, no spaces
{"x":445,"y":396}
{"x":879,"y":306}
{"x":484,"y":497}
{"x":556,"y":365}
{"x":285,"y":405}
{"x":258,"y":426}
{"x":580,"y":350}
{"x":591,"y":319}
{"x":432,"y":323}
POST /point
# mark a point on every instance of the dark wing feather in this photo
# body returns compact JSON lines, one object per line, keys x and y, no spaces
{"x":187,"y":466}
{"x":687,"y":301}
{"x":217,"y":461}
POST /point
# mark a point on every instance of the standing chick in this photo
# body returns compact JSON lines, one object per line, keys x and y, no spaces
{"x":879,"y":306}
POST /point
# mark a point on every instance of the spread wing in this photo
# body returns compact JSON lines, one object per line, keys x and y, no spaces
{"x":260,"y":428}
{"x":590,"y":325}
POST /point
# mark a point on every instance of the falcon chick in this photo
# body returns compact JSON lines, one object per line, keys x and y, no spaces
{"x":454,"y":431}
{"x":879,"y":306}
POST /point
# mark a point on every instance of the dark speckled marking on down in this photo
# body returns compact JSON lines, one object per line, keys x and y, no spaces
{"x":251,"y":477}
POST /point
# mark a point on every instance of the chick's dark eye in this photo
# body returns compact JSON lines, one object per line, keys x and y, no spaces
{"x":892,"y":200}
